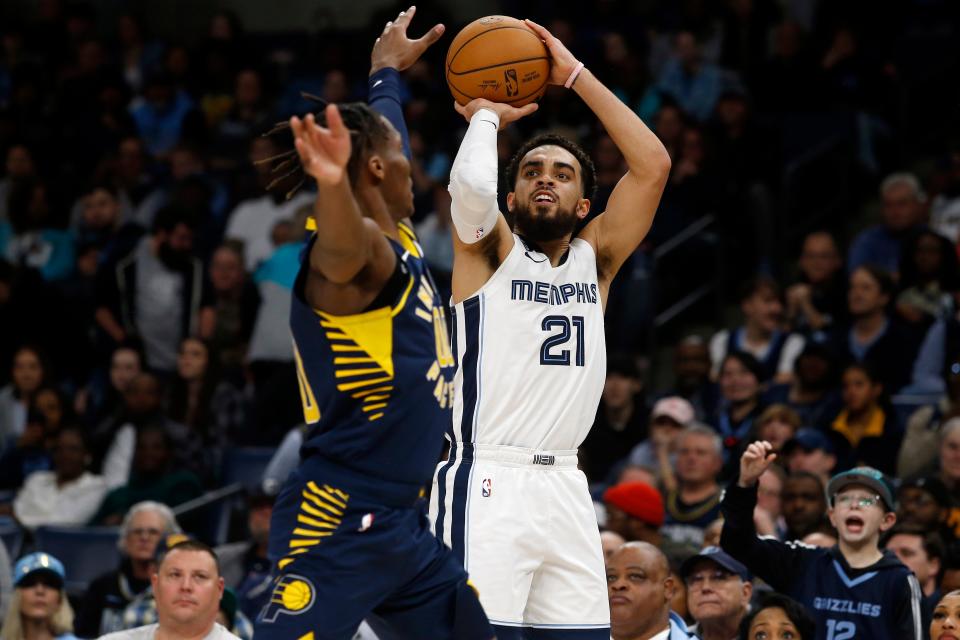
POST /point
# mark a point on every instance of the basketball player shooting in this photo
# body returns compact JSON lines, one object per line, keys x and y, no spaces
{"x":529,"y":340}
{"x":349,"y":537}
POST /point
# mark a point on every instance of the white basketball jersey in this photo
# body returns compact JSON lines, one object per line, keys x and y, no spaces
{"x":530,"y":352}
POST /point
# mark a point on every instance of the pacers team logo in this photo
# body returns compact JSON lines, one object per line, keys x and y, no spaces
{"x":291,"y":596}
{"x":510,"y":81}
{"x":486,"y":487}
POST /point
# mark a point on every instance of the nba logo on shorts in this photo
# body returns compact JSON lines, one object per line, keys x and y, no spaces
{"x":510,"y":80}
{"x":486,"y":487}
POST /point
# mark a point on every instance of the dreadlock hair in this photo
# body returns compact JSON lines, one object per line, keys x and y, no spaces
{"x":588,"y":173}
{"x":368,"y":131}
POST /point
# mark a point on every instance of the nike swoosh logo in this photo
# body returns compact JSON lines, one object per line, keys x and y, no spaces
{"x":376,"y":83}
{"x":532,"y":258}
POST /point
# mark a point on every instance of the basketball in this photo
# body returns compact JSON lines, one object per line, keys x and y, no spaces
{"x":498,"y":58}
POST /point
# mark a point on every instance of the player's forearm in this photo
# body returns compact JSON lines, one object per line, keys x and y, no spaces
{"x":645,"y":155}
{"x":473,"y":179}
{"x":341,"y":248}
{"x":384,"y":96}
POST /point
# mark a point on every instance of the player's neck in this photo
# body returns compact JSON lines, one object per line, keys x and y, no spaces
{"x":373,"y":206}
{"x":861,"y":554}
{"x":555,"y":249}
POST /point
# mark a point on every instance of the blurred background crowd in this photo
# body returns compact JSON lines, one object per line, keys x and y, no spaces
{"x":800,"y":283}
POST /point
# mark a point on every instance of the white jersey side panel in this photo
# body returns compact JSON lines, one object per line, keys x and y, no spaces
{"x":530,"y":351}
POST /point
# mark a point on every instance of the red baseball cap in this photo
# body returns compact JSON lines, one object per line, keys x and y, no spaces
{"x":638,"y":500}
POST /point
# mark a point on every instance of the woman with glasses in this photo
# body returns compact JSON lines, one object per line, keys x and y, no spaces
{"x":39,"y":609}
{"x":101,"y":608}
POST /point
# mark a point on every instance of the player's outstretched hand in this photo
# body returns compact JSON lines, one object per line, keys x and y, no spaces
{"x":755,"y":460}
{"x":324,"y":151}
{"x":394,"y":49}
{"x":506,"y":112}
{"x":562,"y":62}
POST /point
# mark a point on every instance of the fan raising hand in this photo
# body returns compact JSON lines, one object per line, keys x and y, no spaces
{"x":324,"y":151}
{"x":755,"y":460}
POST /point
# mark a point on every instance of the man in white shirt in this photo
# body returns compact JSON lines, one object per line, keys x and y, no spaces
{"x":187,"y":587}
{"x":640,"y":588}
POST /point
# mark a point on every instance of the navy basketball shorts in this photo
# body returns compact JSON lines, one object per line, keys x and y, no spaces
{"x":340,"y":558}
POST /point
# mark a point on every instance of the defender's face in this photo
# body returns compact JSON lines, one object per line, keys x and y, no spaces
{"x":547,"y":200}
{"x":397,"y":185}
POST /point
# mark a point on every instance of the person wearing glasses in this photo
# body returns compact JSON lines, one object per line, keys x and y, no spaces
{"x":719,"y":589}
{"x":854,"y":589}
{"x":101,"y":609}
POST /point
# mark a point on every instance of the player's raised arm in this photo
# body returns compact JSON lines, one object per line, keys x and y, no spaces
{"x":347,"y":243}
{"x":617,"y":232}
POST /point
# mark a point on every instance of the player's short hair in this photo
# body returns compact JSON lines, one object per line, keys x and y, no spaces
{"x":588,"y":172}
{"x":368,"y":132}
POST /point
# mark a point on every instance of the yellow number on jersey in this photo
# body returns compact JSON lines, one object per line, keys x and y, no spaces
{"x":442,"y":339}
{"x":311,"y":411}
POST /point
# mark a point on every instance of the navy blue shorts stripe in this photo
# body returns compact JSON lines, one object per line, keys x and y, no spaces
{"x":442,"y":490}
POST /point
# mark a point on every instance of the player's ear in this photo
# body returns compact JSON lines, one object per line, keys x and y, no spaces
{"x":583,"y":208}
{"x":376,"y":167}
{"x":511,"y":199}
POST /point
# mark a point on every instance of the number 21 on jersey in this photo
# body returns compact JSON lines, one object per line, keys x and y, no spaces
{"x":561,"y":329}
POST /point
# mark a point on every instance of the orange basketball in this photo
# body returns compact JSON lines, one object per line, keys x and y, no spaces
{"x":498,"y":58}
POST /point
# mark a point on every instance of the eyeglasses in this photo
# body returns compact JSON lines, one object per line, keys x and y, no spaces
{"x":864,"y":502}
{"x":145,"y":532}
{"x":701,"y":578}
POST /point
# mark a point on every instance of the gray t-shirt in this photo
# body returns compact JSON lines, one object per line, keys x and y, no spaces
{"x":159,"y":306}
{"x":147,"y":632}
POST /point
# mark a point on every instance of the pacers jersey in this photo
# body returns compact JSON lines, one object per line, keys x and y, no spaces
{"x":377,"y":386}
{"x":531,"y":353}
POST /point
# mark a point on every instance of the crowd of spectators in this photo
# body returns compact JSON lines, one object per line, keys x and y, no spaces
{"x":147,"y":258}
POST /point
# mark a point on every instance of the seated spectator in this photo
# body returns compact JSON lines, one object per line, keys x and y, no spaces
{"x":862,"y":509}
{"x":228,"y":321}
{"x":811,"y":451}
{"x":778,"y":424}
{"x":695,"y":84}
{"x":230,"y":617}
{"x":922,"y":552}
{"x":101,"y":225}
{"x":902,"y":206}
{"x":740,"y":401}
{"x":32,"y":452}
{"x":938,"y":359}
{"x":101,"y":608}
{"x":873,"y":335}
{"x":29,"y":372}
{"x":161,"y":113}
{"x":923,"y":502}
{"x":761,"y":335}
{"x":29,"y":237}
{"x":621,"y":421}
{"x":691,"y":376}
{"x":212,"y":409}
{"x":152,"y":477}
{"x":635,"y":511}
{"x":184,"y":558}
{"x":157,"y":292}
{"x":819,"y":299}
{"x":812,"y":394}
{"x":925,"y":428}
{"x":103,"y":397}
{"x":67,"y":495}
{"x":804,"y":505}
{"x":719,"y":589}
{"x":695,"y":503}
{"x":39,"y":608}
{"x":668,"y":418}
{"x":244,"y":565}
{"x":610,"y":541}
{"x":779,"y":617}
{"x":641,"y":587}
{"x":865,"y":431}
{"x":945,"y":624}
{"x":929,"y":280}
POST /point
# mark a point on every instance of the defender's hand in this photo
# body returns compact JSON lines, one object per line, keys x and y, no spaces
{"x":506,"y":112}
{"x":394,"y":49}
{"x":562,"y":62}
{"x":755,"y":460}
{"x":324,"y":151}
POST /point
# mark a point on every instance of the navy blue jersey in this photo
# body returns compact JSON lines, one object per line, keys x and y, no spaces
{"x":879,"y":602}
{"x":377,"y":386}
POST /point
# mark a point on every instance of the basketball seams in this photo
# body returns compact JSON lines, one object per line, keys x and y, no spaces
{"x":451,"y":72}
{"x":450,"y":58}
{"x":469,"y":97}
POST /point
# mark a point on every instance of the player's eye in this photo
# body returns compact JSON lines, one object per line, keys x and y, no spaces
{"x":562,"y":176}
{"x":531,"y":173}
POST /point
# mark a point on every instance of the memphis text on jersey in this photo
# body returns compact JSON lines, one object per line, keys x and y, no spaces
{"x":552,"y":294}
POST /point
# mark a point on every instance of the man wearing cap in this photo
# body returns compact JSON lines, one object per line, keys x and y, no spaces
{"x":188,"y":588}
{"x":621,"y":419}
{"x":718,"y":593}
{"x":635,"y":511}
{"x":854,"y":589}
{"x":812,"y":451}
{"x":640,"y":588}
{"x":668,"y":418}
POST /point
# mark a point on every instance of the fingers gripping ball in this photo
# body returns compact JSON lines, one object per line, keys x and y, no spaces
{"x":498,"y":58}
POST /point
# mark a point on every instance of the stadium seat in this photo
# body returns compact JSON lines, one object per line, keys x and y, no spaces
{"x":86,"y":552}
{"x":12,"y":535}
{"x":245,"y":465}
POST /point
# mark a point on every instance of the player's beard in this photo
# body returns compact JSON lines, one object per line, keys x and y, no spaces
{"x":542,"y":227}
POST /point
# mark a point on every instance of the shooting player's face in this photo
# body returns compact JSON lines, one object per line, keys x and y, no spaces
{"x":547,"y":200}
{"x":856,"y":523}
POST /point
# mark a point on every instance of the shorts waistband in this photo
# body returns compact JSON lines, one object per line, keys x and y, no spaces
{"x":364,"y":488}
{"x":518,"y":455}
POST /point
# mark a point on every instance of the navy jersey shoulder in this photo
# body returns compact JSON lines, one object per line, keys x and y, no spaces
{"x":377,"y":386}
